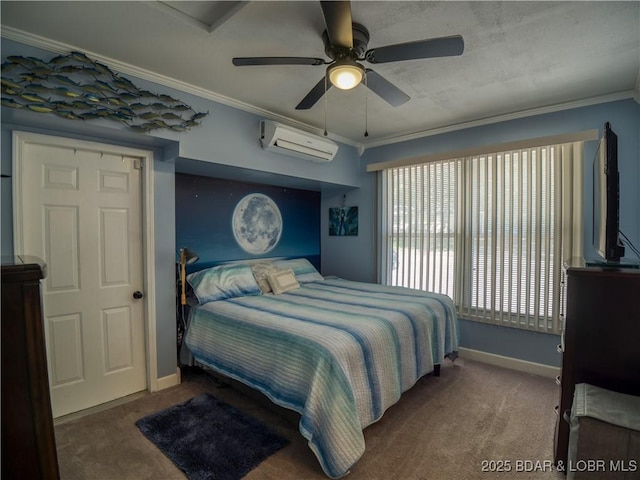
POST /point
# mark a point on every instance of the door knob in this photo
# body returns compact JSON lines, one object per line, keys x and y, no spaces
{"x":137,"y":294}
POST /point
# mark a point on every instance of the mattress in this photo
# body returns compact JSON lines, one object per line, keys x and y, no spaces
{"x":338,"y":352}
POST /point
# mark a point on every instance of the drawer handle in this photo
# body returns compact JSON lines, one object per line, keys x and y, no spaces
{"x":559,"y":348}
{"x":558,"y":380}
{"x":556,"y":409}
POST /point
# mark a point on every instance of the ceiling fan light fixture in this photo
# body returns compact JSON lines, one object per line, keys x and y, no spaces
{"x":345,"y":74}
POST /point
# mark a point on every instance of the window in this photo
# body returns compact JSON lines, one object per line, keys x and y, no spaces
{"x":489,"y":230}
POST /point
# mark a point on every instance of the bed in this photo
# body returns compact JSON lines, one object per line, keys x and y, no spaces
{"x":336,"y":351}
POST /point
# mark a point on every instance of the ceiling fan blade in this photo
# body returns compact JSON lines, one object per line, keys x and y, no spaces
{"x":385,"y":89}
{"x":337,"y":18}
{"x":430,"y":48}
{"x":314,"y":95}
{"x":248,"y":61}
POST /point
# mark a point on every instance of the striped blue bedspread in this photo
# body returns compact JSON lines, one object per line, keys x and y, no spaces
{"x":338,"y":352}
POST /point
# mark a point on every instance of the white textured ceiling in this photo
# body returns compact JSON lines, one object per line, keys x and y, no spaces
{"x":519,"y":56}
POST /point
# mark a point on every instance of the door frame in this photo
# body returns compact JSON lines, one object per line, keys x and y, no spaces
{"x":20,"y":138}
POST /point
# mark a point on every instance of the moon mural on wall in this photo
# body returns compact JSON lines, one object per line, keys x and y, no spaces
{"x":257,"y":224}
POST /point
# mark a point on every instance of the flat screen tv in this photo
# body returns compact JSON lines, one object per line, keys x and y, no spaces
{"x":606,"y":198}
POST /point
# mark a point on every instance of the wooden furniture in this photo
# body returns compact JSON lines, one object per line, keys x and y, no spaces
{"x":601,"y":337}
{"x":28,"y":441}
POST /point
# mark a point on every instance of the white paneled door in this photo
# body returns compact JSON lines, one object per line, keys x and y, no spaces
{"x":81,"y":212}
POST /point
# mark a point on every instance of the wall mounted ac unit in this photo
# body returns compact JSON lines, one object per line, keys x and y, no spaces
{"x":289,"y":141}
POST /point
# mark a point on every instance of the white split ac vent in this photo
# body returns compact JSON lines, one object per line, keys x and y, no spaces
{"x":289,"y":141}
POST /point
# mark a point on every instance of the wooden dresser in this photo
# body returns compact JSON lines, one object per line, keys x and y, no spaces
{"x":28,"y":441}
{"x":601,"y":339}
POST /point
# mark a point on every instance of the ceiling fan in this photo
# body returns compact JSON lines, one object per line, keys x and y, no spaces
{"x":346,"y":43}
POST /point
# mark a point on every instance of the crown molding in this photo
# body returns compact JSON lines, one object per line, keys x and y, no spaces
{"x":503,"y":118}
{"x":56,"y":47}
{"x":61,"y":48}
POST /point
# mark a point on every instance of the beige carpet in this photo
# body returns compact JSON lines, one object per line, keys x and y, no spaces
{"x":448,"y":427}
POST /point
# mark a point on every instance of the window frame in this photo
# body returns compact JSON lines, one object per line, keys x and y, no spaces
{"x":569,"y":176}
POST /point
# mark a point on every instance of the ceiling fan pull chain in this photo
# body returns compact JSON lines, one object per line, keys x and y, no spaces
{"x":325,"y":105}
{"x":366,"y":87}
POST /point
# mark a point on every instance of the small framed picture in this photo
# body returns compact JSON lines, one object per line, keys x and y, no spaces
{"x":343,"y":221}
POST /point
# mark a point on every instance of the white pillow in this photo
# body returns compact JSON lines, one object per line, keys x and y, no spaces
{"x":261,"y":271}
{"x":283,"y":281}
{"x":303,"y":269}
{"x":222,"y":282}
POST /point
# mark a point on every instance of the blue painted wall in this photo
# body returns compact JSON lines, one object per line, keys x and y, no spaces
{"x":228,"y":138}
{"x":624,"y":116}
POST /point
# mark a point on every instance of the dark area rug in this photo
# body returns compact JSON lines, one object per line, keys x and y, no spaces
{"x":208,"y":439}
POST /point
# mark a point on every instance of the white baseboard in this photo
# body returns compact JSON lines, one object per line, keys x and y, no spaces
{"x":169,"y":380}
{"x":509,"y":362}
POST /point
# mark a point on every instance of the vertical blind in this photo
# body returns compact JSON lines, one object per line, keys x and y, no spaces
{"x":491,"y":231}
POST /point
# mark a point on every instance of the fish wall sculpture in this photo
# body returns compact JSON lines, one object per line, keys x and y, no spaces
{"x":76,"y":87}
